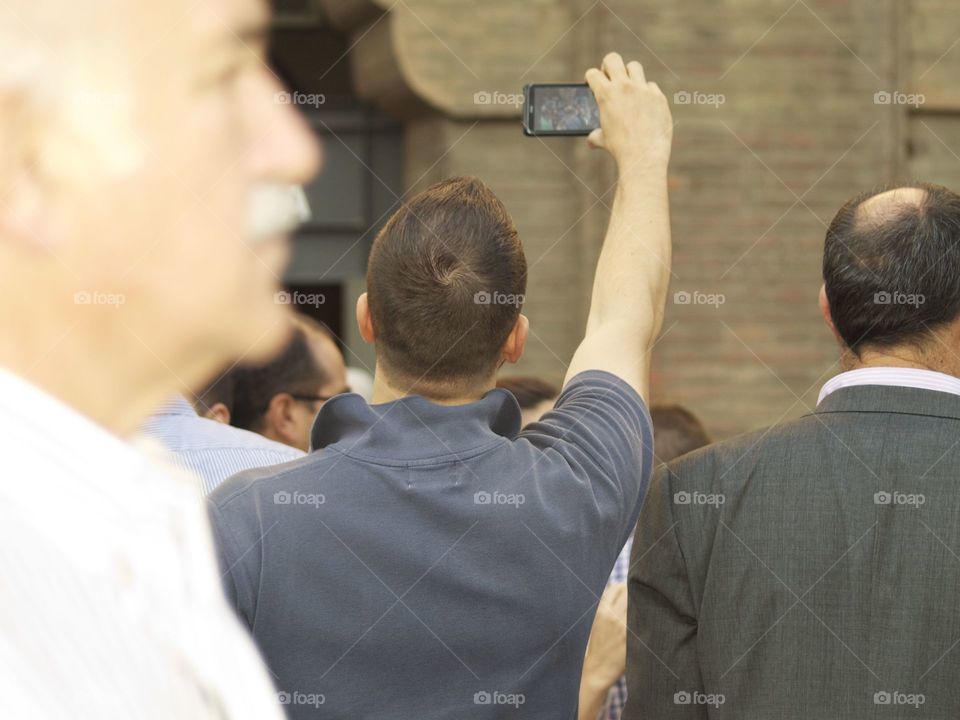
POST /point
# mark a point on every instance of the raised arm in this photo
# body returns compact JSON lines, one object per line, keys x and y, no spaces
{"x":630,"y":288}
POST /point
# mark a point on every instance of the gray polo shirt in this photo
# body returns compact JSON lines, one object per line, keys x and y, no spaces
{"x":430,"y":561}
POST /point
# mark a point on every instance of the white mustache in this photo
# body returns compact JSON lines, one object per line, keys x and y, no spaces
{"x":276,"y":210}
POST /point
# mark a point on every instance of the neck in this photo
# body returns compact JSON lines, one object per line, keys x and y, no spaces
{"x":113,"y":380}
{"x":941,"y":362}
{"x":387,"y":390}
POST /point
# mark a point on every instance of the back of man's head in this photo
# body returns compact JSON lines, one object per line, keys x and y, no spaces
{"x":445,"y":283}
{"x":891,"y":267}
{"x":534,"y":396}
{"x":215,"y":401}
{"x":295,"y":372}
{"x":676,"y":431}
{"x":529,"y":391}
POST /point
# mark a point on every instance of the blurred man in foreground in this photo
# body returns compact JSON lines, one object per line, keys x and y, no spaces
{"x":428,"y":559}
{"x":811,"y":570}
{"x":133,"y":134}
{"x":279,"y":400}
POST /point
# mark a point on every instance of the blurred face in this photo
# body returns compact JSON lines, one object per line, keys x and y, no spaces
{"x":167,"y":123}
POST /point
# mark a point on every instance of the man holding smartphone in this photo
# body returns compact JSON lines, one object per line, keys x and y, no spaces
{"x":429,"y":559}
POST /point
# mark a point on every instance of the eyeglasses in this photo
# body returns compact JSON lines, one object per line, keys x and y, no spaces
{"x":317,"y":398}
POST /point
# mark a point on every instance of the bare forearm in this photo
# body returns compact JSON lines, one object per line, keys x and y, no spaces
{"x":592,"y":696}
{"x":633,"y":271}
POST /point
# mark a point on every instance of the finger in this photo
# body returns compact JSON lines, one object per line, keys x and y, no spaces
{"x":635,"y":71}
{"x":595,"y":138}
{"x":613,"y":66}
{"x":597,"y":81}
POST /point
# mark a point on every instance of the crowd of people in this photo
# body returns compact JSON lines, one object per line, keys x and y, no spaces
{"x":566,"y":108}
{"x":203,"y":518}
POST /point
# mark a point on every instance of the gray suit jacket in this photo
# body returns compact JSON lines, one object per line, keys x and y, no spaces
{"x":808,"y":571}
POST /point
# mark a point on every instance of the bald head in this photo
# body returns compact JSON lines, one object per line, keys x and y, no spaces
{"x":891,"y":266}
{"x":323,"y":346}
{"x":891,"y":204}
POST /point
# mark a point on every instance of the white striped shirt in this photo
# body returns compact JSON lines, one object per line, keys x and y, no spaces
{"x":209,"y":449}
{"x":111,"y":605}
{"x":892,"y":376}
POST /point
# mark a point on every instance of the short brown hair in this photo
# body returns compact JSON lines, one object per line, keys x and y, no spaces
{"x":676,"y":431}
{"x":529,"y":391}
{"x":445,"y":283}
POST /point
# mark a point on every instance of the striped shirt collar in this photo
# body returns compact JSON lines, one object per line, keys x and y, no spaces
{"x":177,"y":405}
{"x":893,"y":377}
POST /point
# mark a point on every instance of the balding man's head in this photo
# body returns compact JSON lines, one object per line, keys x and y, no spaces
{"x":891,"y":266}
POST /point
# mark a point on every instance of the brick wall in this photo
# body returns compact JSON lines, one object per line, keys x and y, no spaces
{"x":754,"y":180}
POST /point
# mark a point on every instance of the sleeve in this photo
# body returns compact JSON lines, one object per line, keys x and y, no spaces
{"x":231,"y":566}
{"x":663,"y":674}
{"x":601,"y":428}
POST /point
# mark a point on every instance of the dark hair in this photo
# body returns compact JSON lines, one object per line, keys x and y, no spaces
{"x":294,"y":371}
{"x":893,"y":278}
{"x":529,"y":391}
{"x":676,"y":431}
{"x":220,"y":390}
{"x":445,"y":283}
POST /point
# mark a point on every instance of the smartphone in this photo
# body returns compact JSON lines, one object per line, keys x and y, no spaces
{"x":559,"y":109}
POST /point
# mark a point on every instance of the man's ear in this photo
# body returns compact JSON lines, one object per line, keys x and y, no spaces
{"x":513,"y":347}
{"x":219,"y":412}
{"x":278,"y":420}
{"x":25,"y":214}
{"x":27,"y":217}
{"x":827,"y":315}
{"x":364,"y":322}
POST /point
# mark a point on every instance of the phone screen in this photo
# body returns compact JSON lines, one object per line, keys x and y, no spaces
{"x":561,"y":110}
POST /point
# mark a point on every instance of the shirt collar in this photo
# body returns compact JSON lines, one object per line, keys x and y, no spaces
{"x":177,"y":405}
{"x":892,"y":377}
{"x":413,"y":428}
